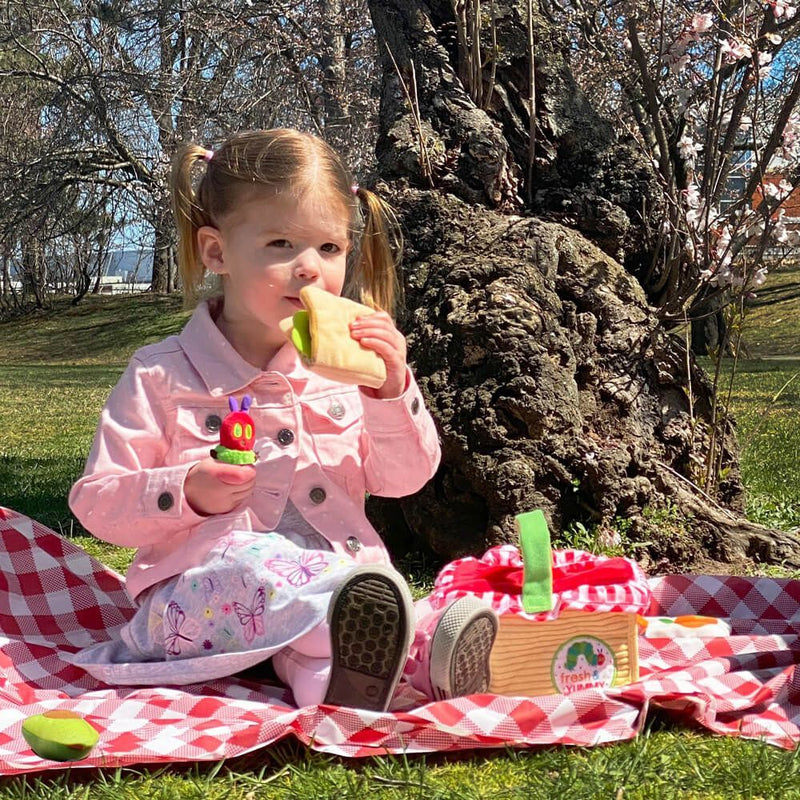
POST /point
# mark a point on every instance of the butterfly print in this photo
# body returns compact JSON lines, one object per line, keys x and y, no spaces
{"x":252,"y":619}
{"x":178,"y":629}
{"x":300,"y":570}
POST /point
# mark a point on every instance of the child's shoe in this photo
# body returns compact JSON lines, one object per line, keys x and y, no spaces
{"x":371,"y":620}
{"x":460,"y":649}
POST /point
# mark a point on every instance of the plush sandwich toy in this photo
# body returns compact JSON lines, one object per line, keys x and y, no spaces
{"x":321,"y":333}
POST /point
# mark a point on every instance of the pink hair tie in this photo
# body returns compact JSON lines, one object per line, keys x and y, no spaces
{"x":354,"y":188}
{"x":208,"y":155}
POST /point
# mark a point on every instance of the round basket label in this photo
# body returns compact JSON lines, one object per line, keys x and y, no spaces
{"x":583,"y":663}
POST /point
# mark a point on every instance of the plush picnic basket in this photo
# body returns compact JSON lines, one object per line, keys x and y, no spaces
{"x":568,"y":619}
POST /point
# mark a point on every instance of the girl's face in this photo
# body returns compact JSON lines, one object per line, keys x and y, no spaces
{"x":268,"y":249}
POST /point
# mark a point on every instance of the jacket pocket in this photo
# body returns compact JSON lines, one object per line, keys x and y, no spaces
{"x":334,"y":423}
{"x":197,"y":431}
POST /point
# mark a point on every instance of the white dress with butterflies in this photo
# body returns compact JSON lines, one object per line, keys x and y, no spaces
{"x":253,"y":594}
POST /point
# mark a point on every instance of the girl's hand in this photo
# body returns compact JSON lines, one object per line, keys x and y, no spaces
{"x":377,"y":332}
{"x":214,"y":487}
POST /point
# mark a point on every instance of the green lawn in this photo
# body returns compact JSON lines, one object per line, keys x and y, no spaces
{"x":55,"y":371}
{"x":773,"y":323}
{"x":766,"y":405}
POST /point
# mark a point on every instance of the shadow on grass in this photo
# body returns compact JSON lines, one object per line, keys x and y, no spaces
{"x":61,"y":376}
{"x":39,"y":487}
{"x":107,"y":328}
{"x":757,"y":381}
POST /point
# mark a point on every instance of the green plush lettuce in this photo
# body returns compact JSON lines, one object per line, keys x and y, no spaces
{"x":222,"y":453}
{"x":301,"y":333}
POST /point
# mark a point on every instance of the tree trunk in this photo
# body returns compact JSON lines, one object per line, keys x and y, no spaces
{"x":10,"y":298}
{"x":709,"y":327}
{"x":551,"y":380}
{"x":34,"y":269}
{"x":334,"y":73}
{"x":5,"y":256}
{"x":164,"y":256}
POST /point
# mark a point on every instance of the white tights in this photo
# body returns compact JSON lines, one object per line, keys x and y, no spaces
{"x":305,"y":667}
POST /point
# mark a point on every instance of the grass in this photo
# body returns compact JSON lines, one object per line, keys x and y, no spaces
{"x":766,"y":402}
{"x":56,"y":369}
{"x":773,"y":324}
{"x":99,"y":331}
{"x":658,"y":764}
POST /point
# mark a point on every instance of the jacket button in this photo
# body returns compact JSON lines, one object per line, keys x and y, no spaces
{"x":336,"y":411}
{"x":166,"y":501}
{"x":317,"y":495}
{"x":353,"y":545}
{"x":415,"y":405}
{"x":213,"y":423}
{"x":285,"y":437}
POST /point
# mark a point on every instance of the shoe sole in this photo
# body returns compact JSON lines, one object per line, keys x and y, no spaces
{"x":371,"y":622}
{"x":461,"y":648}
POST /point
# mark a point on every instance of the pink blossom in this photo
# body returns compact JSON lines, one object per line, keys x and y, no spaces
{"x":733,"y":50}
{"x":680,"y":64}
{"x":701,"y":23}
{"x":755,"y":227}
{"x":720,"y":276}
{"x":783,"y":8}
{"x":759,"y":279}
{"x":722,"y":246}
{"x":608,"y":538}
{"x":694,"y":216}
{"x":779,"y":231}
{"x":763,"y":60}
{"x":688,"y":148}
{"x":791,"y":133}
{"x":692,"y":196}
{"x":791,"y":138}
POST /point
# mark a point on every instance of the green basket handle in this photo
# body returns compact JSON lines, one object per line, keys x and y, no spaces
{"x":537,"y":562}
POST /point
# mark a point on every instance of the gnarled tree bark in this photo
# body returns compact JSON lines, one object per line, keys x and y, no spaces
{"x":550,"y":378}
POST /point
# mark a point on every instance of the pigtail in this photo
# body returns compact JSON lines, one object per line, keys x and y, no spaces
{"x":189,"y":217}
{"x":374,"y":274}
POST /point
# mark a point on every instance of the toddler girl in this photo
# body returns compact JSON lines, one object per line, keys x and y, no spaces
{"x":239,"y":563}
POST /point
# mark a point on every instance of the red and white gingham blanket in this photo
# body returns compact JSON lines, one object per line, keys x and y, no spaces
{"x":55,"y":599}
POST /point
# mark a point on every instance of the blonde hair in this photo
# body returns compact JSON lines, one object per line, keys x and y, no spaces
{"x":278,"y":160}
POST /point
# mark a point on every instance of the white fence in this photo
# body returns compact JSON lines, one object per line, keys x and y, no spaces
{"x":109,"y":284}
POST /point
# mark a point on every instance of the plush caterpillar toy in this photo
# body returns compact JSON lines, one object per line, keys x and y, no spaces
{"x":236,"y":435}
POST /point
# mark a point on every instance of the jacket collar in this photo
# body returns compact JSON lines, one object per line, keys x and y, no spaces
{"x":222,"y":369}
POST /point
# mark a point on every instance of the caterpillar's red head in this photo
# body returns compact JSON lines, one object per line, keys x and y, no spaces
{"x":237,"y":431}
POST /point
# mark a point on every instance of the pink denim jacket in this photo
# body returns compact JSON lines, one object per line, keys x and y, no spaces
{"x":321,"y":443}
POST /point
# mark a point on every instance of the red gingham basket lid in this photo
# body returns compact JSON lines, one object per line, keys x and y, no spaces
{"x":581,"y":581}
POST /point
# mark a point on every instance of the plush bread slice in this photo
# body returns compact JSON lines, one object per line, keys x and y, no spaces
{"x":334,"y":352}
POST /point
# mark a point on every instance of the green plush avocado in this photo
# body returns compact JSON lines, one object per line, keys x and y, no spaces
{"x":59,"y":735}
